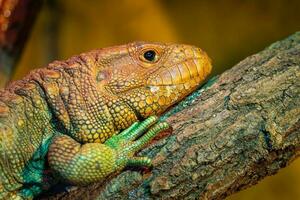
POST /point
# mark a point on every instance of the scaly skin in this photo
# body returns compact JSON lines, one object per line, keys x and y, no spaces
{"x":66,"y":119}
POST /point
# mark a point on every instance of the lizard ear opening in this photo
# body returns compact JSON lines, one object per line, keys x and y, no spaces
{"x":102,"y":76}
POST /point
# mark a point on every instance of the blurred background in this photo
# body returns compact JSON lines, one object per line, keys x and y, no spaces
{"x":227,"y":30}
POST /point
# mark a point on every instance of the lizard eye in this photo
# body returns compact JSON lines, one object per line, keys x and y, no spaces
{"x":149,"y":56}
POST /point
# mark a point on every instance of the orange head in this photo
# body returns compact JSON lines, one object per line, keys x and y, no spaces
{"x":150,"y":77}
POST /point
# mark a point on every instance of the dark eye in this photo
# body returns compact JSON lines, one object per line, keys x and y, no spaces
{"x":150,"y":55}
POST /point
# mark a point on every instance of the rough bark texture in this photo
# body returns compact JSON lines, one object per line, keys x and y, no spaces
{"x":16,"y":19}
{"x":238,"y":130}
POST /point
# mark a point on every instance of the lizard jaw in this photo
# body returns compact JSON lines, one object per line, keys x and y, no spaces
{"x":191,"y":69}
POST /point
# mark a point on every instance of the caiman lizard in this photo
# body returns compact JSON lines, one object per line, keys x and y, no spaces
{"x":84,"y":118}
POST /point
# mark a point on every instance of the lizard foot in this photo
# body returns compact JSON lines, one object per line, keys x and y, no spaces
{"x":133,"y":139}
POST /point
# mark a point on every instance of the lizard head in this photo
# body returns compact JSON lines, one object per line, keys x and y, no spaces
{"x":150,"y":77}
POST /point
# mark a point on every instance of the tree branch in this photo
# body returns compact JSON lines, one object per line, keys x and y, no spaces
{"x":238,"y":130}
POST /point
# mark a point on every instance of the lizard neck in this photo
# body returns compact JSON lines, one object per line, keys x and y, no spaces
{"x":86,"y":113}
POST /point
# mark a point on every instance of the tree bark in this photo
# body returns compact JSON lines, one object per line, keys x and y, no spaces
{"x":16,"y":19}
{"x":239,"y":128}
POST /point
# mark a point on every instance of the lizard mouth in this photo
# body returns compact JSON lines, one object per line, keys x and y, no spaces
{"x":180,"y":73}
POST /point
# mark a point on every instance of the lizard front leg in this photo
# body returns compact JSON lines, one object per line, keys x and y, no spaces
{"x":91,"y":162}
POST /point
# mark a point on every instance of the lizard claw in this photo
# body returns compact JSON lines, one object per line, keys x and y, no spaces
{"x":133,"y":139}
